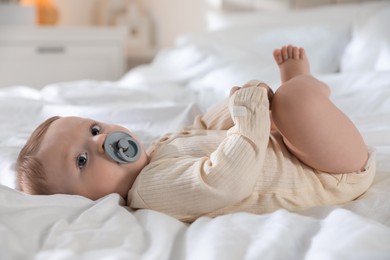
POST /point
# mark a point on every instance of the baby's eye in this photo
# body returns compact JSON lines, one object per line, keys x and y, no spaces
{"x":82,"y":160}
{"x":95,"y":130}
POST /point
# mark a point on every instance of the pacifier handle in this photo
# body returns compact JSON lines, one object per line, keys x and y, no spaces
{"x":121,"y":147}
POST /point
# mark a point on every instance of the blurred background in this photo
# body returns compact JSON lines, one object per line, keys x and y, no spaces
{"x":150,"y":22}
{"x":102,"y":39}
{"x":149,"y":25}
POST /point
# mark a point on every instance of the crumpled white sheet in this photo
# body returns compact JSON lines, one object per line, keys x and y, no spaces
{"x":73,"y":227}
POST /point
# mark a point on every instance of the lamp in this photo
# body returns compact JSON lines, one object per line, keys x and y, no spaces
{"x":46,"y":11}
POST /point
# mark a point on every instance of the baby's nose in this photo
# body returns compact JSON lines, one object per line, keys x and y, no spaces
{"x":99,"y":142}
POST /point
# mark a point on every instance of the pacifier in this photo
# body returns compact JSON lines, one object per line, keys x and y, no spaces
{"x":121,"y":147}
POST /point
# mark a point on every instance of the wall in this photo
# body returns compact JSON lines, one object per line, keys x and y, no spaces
{"x":173,"y":17}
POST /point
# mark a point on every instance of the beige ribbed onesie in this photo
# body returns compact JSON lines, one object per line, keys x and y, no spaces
{"x":230,"y":161}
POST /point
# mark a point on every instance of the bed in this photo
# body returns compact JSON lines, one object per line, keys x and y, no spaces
{"x":349,"y":48}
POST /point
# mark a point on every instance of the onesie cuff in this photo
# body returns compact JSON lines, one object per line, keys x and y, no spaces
{"x":249,"y":109}
{"x":251,"y":98}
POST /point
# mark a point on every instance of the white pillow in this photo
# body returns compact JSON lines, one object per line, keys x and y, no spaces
{"x":247,"y":52}
{"x":329,"y":14}
{"x":369,"y":48}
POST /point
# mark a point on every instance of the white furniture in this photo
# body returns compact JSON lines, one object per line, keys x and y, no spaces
{"x":36,"y":56}
{"x":14,"y":14}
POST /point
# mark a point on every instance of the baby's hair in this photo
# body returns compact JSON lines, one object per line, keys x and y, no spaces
{"x":30,"y":175}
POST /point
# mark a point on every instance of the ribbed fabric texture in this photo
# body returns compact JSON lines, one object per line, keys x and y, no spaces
{"x":229,"y":161}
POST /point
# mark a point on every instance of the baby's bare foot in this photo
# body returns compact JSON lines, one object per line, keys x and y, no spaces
{"x":292,"y":62}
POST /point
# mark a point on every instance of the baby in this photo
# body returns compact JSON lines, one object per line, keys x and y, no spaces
{"x":257,"y":152}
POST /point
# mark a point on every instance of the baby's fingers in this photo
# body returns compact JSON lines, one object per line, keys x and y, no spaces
{"x":233,"y":89}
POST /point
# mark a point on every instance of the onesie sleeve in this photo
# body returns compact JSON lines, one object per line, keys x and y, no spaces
{"x":187,"y":188}
{"x":216,"y":117}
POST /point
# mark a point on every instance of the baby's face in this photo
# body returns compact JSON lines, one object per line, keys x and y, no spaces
{"x":73,"y":157}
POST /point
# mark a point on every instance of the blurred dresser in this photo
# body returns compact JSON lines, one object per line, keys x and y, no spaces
{"x":37,"y":56}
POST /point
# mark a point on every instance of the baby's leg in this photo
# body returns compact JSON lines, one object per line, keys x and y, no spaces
{"x":314,"y":129}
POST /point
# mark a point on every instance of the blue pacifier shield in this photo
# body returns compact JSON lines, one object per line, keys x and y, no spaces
{"x":121,"y":147}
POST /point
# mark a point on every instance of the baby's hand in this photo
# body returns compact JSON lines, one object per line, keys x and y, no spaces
{"x":233,"y":90}
{"x":261,"y":85}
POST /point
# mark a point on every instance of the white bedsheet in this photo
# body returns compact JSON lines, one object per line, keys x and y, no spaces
{"x":69,"y":227}
{"x":163,"y":97}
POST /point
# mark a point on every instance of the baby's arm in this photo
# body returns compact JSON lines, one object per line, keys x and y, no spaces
{"x":216,"y":117}
{"x":192,"y":187}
